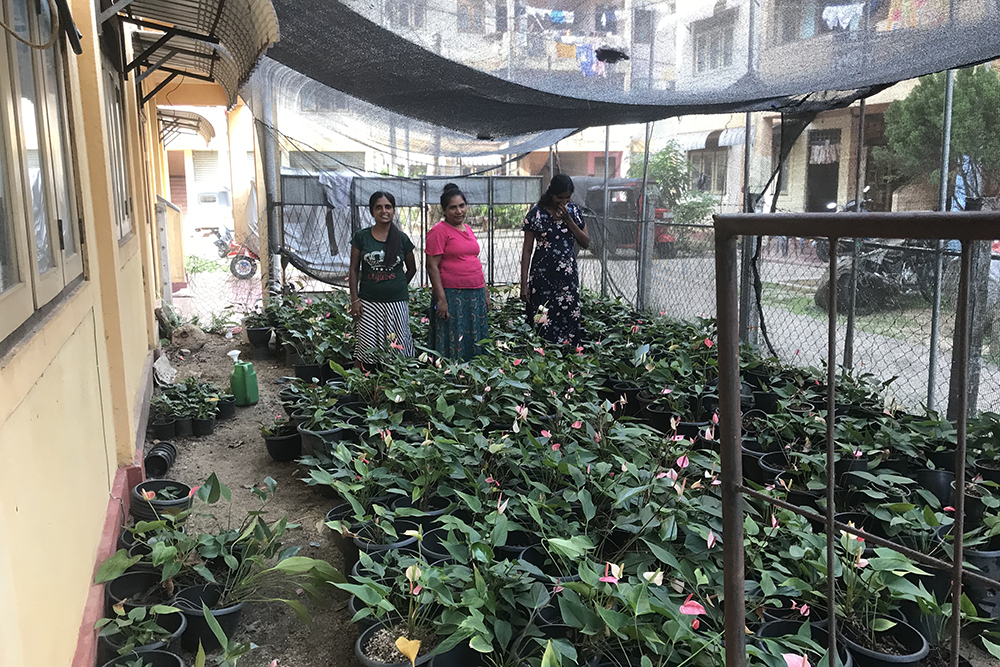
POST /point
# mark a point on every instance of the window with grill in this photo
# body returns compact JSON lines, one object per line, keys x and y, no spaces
{"x":407,"y":13}
{"x":708,"y":169}
{"x":713,"y":47}
{"x":470,"y":16}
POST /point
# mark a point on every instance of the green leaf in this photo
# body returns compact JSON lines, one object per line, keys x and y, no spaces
{"x":573,"y":548}
{"x":767,"y":584}
{"x":882,"y":624}
{"x":503,"y":632}
{"x":481,"y":644}
{"x":550,"y":658}
{"x":300,"y":610}
{"x":626,"y":494}
{"x":994,"y":649}
{"x":220,"y":635}
{"x":115,"y":566}
{"x":199,"y":660}
{"x":295,"y":565}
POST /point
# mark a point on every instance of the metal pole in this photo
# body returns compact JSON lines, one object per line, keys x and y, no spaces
{"x":963,"y":325}
{"x":949,"y":89}
{"x":607,"y":205}
{"x":731,"y":455}
{"x":859,"y":180}
{"x":552,"y":163}
{"x":645,"y":229}
{"x":489,"y":226}
{"x":747,"y":240}
{"x":831,"y":390}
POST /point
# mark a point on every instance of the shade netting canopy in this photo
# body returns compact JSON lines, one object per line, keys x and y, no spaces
{"x":499,"y":68}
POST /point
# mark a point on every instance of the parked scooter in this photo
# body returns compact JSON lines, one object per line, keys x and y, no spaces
{"x":244,"y":260}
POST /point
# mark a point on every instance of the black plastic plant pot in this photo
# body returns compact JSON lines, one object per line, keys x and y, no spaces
{"x":435,"y":506}
{"x":151,"y":658}
{"x":798,"y":495}
{"x":975,"y":508}
{"x":937,"y":482}
{"x":175,"y":623}
{"x":766,"y":401}
{"x":361,"y":645}
{"x":150,"y":510}
{"x":284,"y":448}
{"x":183,"y":427}
{"x":162,"y":429}
{"x":431,"y":548}
{"x":517,"y":543}
{"x":691,"y":430}
{"x":128,"y":586}
{"x":772,"y":464}
{"x":660,"y":417}
{"x":989,"y":469}
{"x":260,"y":352}
{"x":226,"y":409}
{"x":308,"y":372}
{"x":189,"y":602}
{"x":535,"y":556}
{"x":367,"y":531}
{"x":985,"y":557}
{"x":630,"y":391}
{"x":259,"y":336}
{"x":943,"y":460}
{"x":818,"y":633}
{"x":907,"y":637}
{"x":354,"y":605}
{"x":314,"y":442}
{"x":203,"y":427}
{"x":159,"y":459}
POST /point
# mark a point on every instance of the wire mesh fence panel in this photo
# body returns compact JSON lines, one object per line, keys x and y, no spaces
{"x":682,"y":273}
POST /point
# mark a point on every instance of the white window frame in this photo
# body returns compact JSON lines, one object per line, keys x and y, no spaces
{"x":114,"y":109}
{"x":703,"y":37}
{"x":719,"y":157}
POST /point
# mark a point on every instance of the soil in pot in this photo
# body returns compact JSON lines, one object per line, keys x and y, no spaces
{"x":899,"y":645}
{"x":171,"y":498}
{"x":371,"y":538}
{"x":378,"y":645}
{"x":940,"y":656}
{"x":137,"y":589}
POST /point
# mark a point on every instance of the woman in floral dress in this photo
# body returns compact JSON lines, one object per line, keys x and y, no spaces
{"x":550,"y":284}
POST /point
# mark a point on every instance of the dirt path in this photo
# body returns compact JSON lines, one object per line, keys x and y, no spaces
{"x":236,"y":453}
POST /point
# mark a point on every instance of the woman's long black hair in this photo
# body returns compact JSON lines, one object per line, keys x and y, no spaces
{"x":392,"y":240}
{"x":559,"y":184}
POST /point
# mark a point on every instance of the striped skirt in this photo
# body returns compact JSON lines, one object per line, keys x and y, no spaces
{"x":382,"y":327}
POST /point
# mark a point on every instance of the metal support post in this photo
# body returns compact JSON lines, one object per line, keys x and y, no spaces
{"x":852,"y":297}
{"x":646,"y":230}
{"x":731,"y":454}
{"x":949,"y":89}
{"x":747,"y":309}
{"x":604,"y":227}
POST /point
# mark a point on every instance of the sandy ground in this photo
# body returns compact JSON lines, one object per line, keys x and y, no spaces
{"x":237,"y":454}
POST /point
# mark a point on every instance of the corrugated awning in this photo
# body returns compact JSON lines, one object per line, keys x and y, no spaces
{"x":733,"y":136}
{"x":692,"y":141}
{"x":174,"y":122}
{"x":210,"y":40}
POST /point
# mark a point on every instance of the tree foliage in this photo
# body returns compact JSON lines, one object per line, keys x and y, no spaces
{"x":669,"y":170}
{"x":913,"y":127}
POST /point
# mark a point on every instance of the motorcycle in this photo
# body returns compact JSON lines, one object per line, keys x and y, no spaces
{"x":244,"y":260}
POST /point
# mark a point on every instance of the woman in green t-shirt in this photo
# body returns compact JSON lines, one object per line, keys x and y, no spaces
{"x":379,"y":297}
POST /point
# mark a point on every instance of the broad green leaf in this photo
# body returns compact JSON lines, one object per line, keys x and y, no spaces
{"x":115,"y":566}
{"x":573,"y":548}
{"x":481,"y":644}
{"x":550,"y":658}
{"x":882,"y":624}
{"x":214,"y":625}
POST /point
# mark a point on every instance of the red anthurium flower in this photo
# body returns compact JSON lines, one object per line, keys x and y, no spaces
{"x":691,"y":608}
{"x":577,"y":424}
{"x":556,"y":446}
{"x":708,"y":342}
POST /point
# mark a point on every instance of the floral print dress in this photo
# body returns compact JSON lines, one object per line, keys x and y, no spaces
{"x":553,"y":281}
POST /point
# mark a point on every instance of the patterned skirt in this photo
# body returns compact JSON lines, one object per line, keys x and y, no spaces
{"x":382,"y":327}
{"x":458,"y":336}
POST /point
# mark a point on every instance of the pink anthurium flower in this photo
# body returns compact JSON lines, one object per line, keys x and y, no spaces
{"x":149,"y":495}
{"x":501,"y":505}
{"x":556,"y":589}
{"x":546,"y":434}
{"x":795,"y":660}
{"x":804,"y":610}
{"x":711,"y":539}
{"x":682,"y":462}
{"x":692,"y":608}
{"x":556,"y":446}
{"x":661,"y":475}
{"x":672,"y":475}
{"x":666,"y":391}
{"x":577,"y":424}
{"x":194,"y":490}
{"x":612,"y":573}
{"x":708,"y":342}
{"x":274,"y":663}
{"x":715,"y":418}
{"x":517,"y":362}
{"x":522,"y":411}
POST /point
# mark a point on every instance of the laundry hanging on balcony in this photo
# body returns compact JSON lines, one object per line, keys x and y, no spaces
{"x":843,"y":16}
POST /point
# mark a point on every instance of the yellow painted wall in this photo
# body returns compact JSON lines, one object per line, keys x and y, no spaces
{"x":175,"y":239}
{"x":57,"y":459}
{"x":240,"y":124}
{"x":132,"y":305}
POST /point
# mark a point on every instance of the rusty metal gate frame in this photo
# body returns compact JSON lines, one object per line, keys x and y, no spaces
{"x":963,"y":226}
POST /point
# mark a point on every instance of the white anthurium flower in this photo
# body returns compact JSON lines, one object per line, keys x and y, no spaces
{"x":654,"y":578}
{"x":413,"y":573}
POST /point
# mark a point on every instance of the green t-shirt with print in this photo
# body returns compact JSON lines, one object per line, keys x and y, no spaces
{"x":381,"y":281}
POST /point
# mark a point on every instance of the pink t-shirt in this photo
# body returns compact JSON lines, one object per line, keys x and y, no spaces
{"x":460,"y":265}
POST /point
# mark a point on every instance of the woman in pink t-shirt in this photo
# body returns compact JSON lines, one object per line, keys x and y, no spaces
{"x":458,"y":317}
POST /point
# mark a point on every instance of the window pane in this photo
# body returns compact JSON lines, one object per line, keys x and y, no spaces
{"x":8,"y":256}
{"x":57,"y":128}
{"x":30,"y":119}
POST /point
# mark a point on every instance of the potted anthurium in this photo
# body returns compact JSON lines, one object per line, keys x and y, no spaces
{"x":283,"y":441}
{"x":256,"y":567}
{"x":139,"y":630}
{"x":872,"y":589}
